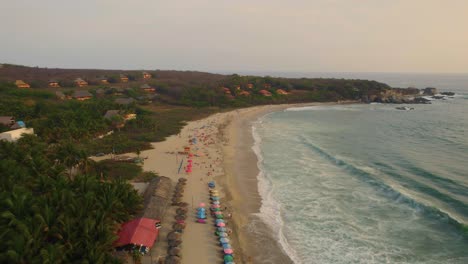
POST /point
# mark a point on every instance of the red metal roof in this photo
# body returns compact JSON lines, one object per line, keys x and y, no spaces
{"x":140,"y":231}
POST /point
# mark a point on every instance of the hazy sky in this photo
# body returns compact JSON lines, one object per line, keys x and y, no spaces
{"x":238,"y":35}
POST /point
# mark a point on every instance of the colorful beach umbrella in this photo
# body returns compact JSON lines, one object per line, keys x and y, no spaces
{"x":215,"y":206}
{"x":215,"y":198}
{"x":218,"y":212}
{"x":228,"y":258}
{"x":215,"y":202}
{"x":221,"y":224}
{"x":219,"y":221}
{"x":222,"y":234}
{"x":224,"y":240}
{"x":227,"y":246}
{"x":228,"y":251}
{"x":222,"y":229}
{"x":202,"y":205}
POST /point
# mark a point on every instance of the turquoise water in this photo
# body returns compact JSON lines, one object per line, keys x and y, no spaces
{"x":367,"y":183}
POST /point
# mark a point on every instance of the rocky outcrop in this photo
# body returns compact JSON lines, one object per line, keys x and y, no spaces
{"x":430,"y":91}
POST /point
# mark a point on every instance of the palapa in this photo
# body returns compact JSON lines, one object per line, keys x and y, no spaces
{"x":173,"y":235}
{"x":174,"y":251}
{"x":174,"y":243}
{"x":173,"y":260}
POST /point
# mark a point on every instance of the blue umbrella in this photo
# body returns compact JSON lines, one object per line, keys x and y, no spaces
{"x":219,"y":221}
{"x":201,"y":209}
{"x":215,"y":198}
{"x":226,"y":246}
{"x":224,"y":240}
{"x":222,"y":229}
{"x":222,"y":234}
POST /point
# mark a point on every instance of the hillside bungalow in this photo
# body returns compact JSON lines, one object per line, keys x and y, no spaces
{"x":54,"y":84}
{"x":238,"y":87}
{"x":123,"y":78}
{"x":227,"y":91}
{"x":21,"y":84}
{"x":103,"y":80}
{"x":145,"y":87}
{"x":267,"y":86}
{"x":80,"y":82}
{"x":250,"y":85}
{"x":14,"y":135}
{"x":7,"y":121}
{"x":265,"y":93}
{"x":146,"y":76}
{"x":82,"y":95}
{"x":244,"y":93}
{"x":281,"y":92}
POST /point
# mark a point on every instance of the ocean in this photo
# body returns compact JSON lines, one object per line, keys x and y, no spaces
{"x":368,"y":183}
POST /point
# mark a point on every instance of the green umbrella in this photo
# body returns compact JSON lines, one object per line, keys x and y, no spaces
{"x":219,"y":216}
{"x":228,"y":258}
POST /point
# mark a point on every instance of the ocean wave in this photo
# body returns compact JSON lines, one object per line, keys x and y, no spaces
{"x":270,"y":208}
{"x":321,"y":107}
{"x":398,"y":195}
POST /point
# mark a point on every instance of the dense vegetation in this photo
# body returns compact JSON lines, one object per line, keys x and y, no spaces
{"x":49,"y":216}
{"x":60,"y":207}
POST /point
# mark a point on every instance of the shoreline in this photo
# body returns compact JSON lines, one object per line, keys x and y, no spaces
{"x":224,"y":153}
{"x":256,"y":239}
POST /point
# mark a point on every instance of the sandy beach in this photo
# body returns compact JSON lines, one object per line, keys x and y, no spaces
{"x":222,"y":153}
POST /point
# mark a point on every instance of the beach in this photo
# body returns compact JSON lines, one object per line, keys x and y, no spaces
{"x":222,"y":153}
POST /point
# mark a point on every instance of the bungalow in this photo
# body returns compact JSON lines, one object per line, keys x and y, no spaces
{"x":227,"y":90}
{"x":129,"y":116}
{"x":103,"y":80}
{"x":250,"y":86}
{"x":238,"y":87}
{"x":145,"y":87}
{"x":82,"y":95}
{"x":244,"y":93}
{"x":146,"y":76}
{"x":281,"y":92}
{"x":123,"y":78}
{"x":80,"y":82}
{"x":54,"y":84}
{"x":21,"y":84}
{"x":7,"y":121}
{"x":267,"y":86}
{"x":111,"y":113}
{"x":265,"y":93}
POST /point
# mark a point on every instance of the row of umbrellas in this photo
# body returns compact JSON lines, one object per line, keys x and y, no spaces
{"x":174,"y":238}
{"x":221,"y":230}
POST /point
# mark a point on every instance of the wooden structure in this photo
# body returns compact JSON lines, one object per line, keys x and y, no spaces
{"x":80,"y":82}
{"x":281,"y":92}
{"x":82,"y":95}
{"x":145,"y":87}
{"x":54,"y":84}
{"x":21,"y":84}
{"x":265,"y":93}
{"x":123,"y":78}
{"x":146,"y":76}
{"x":250,"y":86}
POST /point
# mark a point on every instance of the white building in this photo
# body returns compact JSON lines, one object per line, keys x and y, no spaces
{"x":14,"y":135}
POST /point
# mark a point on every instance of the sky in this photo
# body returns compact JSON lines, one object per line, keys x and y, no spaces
{"x":242,"y":35}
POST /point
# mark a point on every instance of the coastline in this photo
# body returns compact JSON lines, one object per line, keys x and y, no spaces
{"x":256,"y":240}
{"x":224,"y":153}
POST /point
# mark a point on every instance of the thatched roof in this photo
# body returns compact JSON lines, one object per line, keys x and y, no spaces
{"x":157,"y":197}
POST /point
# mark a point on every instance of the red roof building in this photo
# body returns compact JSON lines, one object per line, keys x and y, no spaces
{"x":140,"y":231}
{"x":264,"y":93}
